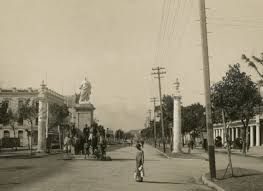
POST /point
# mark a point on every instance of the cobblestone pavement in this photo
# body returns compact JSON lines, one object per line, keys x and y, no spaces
{"x":117,"y":175}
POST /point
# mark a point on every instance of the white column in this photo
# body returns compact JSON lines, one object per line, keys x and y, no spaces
{"x":177,"y":145}
{"x":223,"y":136}
{"x":214,"y":134}
{"x":232,"y":134}
{"x":251,"y":136}
{"x":257,"y":131}
{"x":257,"y":135}
{"x":47,"y":121}
{"x":42,"y":118}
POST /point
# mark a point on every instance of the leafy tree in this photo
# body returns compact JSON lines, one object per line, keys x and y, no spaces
{"x":128,"y":135}
{"x":193,"y":118}
{"x":168,"y":107}
{"x":29,"y":112}
{"x":236,"y":95}
{"x":58,"y":115}
{"x":4,"y":118}
{"x":119,"y":134}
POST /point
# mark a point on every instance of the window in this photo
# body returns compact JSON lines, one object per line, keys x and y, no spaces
{"x":36,"y":121}
{"x":20,"y":119}
{"x":20,"y":134}
{"x":6,"y":134}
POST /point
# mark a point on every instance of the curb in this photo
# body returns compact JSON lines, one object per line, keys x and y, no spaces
{"x":20,"y":156}
{"x":26,"y":156}
{"x":211,"y":184}
{"x":162,"y":153}
{"x":239,"y":154}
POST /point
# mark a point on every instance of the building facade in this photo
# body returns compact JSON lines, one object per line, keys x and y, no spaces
{"x":255,"y":131}
{"x":42,"y":97}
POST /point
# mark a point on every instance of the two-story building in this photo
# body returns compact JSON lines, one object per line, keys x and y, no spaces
{"x":14,"y":98}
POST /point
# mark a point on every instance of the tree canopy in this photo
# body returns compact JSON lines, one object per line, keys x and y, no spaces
{"x":236,"y":94}
{"x":28,"y":111}
{"x":4,"y":117}
{"x":193,"y":118}
{"x":58,"y":113}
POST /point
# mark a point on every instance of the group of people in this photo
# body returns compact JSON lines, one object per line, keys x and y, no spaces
{"x":90,"y":141}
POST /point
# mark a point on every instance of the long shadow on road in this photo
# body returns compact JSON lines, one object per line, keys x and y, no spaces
{"x":123,"y":159}
{"x":158,"y":182}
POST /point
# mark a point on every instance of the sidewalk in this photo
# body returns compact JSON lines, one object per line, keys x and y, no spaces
{"x":24,"y":153}
{"x":248,"y":171}
{"x":253,"y":151}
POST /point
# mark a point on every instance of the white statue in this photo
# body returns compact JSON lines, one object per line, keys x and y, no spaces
{"x":85,"y":91}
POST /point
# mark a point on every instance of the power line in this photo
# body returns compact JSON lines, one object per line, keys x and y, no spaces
{"x":166,"y":28}
{"x":169,"y":36}
{"x":158,"y":42}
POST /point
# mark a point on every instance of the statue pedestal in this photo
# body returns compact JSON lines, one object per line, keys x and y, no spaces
{"x":84,"y":115}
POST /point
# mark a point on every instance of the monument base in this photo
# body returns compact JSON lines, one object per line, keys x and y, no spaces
{"x":84,"y":115}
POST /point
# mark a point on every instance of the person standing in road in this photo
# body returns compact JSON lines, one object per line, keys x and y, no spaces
{"x":142,"y":143}
{"x":139,"y":172}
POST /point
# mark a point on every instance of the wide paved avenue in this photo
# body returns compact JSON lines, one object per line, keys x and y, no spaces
{"x":117,"y":175}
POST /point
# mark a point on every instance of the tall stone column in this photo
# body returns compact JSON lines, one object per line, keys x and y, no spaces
{"x":42,"y":119}
{"x":177,"y":144}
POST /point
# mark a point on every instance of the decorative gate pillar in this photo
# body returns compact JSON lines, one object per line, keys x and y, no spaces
{"x":42,"y":119}
{"x":177,"y":143}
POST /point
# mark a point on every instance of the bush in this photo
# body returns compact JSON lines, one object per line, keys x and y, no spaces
{"x":238,"y":143}
{"x":218,"y":141}
{"x":10,"y":142}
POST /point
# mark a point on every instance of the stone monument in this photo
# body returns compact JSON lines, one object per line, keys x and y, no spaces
{"x":177,"y":139}
{"x":84,"y":109}
{"x":42,"y":119}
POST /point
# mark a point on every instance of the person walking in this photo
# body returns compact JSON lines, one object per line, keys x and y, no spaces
{"x":139,"y":171}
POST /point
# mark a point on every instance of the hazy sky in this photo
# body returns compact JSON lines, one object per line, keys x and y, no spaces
{"x":113,"y":43}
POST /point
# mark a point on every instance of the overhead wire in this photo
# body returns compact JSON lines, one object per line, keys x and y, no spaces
{"x":158,"y":42}
{"x":162,"y":45}
{"x":172,"y":26}
{"x":167,"y":38}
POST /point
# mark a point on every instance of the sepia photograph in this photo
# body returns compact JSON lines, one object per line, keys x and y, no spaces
{"x":128,"y":95}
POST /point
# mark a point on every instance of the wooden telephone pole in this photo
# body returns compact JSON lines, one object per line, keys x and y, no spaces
{"x":209,"y":125}
{"x":154,"y":120}
{"x":159,"y":71}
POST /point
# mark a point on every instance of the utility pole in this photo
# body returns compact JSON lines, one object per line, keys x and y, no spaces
{"x":150,"y":114}
{"x":150,"y":119}
{"x":159,"y":71}
{"x":154,"y":120}
{"x":209,"y":125}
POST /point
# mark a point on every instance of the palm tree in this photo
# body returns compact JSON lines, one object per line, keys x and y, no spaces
{"x":253,"y":62}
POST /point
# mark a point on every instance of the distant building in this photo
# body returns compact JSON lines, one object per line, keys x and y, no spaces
{"x":255,"y":131}
{"x":14,"y":98}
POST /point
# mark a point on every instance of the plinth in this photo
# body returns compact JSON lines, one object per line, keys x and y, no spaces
{"x":84,"y":115}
